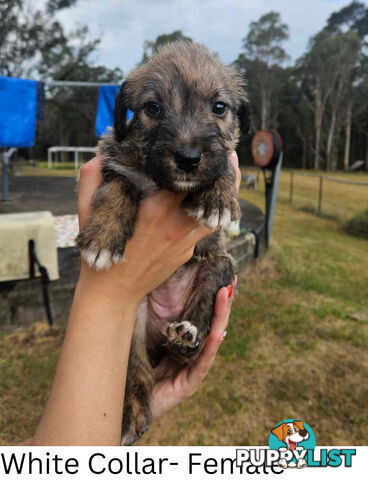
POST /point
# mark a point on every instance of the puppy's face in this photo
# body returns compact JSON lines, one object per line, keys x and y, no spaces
{"x":187,"y":111}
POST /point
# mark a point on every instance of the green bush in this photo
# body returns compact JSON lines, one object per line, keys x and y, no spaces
{"x":358,"y":225}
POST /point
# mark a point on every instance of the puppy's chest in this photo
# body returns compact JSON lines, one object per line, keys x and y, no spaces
{"x":167,"y":301}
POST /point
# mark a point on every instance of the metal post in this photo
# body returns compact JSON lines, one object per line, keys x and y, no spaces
{"x":4,"y":177}
{"x":291,"y":186}
{"x":76,"y":160}
{"x":271,"y":190}
{"x":320,"y":194}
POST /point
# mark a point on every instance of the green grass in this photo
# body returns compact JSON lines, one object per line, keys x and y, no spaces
{"x":296,"y":347}
{"x":339,"y":200}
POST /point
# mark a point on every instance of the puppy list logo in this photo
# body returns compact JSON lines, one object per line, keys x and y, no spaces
{"x":295,"y":442}
{"x":292,"y":438}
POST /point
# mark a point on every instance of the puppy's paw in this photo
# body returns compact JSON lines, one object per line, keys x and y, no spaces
{"x":214,"y":220}
{"x":182,"y":336}
{"x":215,"y":212}
{"x":100,"y":258}
{"x":136,"y":421}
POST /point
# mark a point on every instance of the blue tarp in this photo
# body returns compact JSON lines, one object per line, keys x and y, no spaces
{"x":105,"y":108}
{"x":18,"y":110}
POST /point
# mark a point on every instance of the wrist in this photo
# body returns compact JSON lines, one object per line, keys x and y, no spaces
{"x":109,"y":286}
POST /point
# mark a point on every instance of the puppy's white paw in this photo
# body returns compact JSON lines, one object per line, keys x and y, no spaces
{"x":100,"y":259}
{"x":213,"y":221}
{"x":182,"y":334}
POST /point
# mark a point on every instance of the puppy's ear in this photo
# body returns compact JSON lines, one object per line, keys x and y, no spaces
{"x":280,"y":432}
{"x":244,"y":117}
{"x":299,"y":424}
{"x":120,"y":113}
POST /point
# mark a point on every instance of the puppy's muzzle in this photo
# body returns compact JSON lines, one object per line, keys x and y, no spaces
{"x":187,"y":159}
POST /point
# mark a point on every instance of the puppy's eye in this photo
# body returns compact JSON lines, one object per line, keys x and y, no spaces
{"x":153,"y":109}
{"x":219,"y":109}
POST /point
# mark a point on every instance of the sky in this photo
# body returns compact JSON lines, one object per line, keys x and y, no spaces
{"x":123,"y":25}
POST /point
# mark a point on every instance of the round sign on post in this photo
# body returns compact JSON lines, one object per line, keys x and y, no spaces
{"x":266,"y":148}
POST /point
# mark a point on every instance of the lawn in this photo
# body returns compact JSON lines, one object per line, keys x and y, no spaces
{"x":339,"y":200}
{"x":296,"y":347}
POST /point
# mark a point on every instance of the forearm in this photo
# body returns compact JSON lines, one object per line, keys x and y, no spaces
{"x":85,"y":405}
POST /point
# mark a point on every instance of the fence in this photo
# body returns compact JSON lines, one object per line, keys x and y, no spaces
{"x":76,"y":150}
{"x":331,"y":195}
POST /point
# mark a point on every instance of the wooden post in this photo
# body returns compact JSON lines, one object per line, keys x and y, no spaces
{"x":320,"y":194}
{"x":291,"y":186}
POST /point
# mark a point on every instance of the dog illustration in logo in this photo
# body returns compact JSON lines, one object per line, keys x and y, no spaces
{"x":291,"y":433}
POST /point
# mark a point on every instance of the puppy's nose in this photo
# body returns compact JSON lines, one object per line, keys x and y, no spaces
{"x":187,"y":159}
{"x":303,"y":433}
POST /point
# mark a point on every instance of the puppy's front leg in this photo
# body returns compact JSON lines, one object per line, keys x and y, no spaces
{"x":216,"y":207}
{"x":105,"y":233}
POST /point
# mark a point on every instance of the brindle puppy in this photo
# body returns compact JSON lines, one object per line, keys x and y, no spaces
{"x":188,"y":110}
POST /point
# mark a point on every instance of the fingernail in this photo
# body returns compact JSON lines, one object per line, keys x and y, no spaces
{"x":222,"y":337}
{"x":235,"y":282}
{"x":235,"y":157}
{"x":229,"y":291}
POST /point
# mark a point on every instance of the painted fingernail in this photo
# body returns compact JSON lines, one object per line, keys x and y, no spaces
{"x":223,"y":336}
{"x":229,"y":291}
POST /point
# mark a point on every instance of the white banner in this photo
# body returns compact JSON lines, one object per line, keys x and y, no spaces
{"x":180,"y":463}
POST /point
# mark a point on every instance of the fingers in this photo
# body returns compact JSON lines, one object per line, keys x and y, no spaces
{"x":235,"y":161}
{"x":168,"y":200}
{"x":90,"y":179}
{"x":217,"y":335}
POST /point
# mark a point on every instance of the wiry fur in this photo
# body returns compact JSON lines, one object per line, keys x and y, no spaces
{"x":140,"y":157}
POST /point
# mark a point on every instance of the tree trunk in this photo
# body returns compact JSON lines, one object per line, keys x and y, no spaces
{"x":64,"y":142}
{"x":318,"y":127}
{"x":304,"y":155}
{"x":348,"y":134}
{"x":330,"y":137}
{"x":263,"y":109}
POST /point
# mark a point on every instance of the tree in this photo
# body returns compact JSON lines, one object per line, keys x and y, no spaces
{"x":352,"y":17}
{"x":262,"y":61}
{"x":25,"y":33}
{"x":326,"y":71}
{"x":151,"y":47}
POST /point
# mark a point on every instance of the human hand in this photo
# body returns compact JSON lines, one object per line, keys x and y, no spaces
{"x":164,"y":239}
{"x":173,"y":387}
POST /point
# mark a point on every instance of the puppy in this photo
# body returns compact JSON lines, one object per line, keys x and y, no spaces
{"x":188,"y":111}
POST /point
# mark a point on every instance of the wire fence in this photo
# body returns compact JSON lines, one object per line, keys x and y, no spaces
{"x":334,"y":196}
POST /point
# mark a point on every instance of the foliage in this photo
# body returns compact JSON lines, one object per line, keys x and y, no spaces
{"x":358,"y":225}
{"x":261,"y":62}
{"x":151,"y":47}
